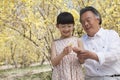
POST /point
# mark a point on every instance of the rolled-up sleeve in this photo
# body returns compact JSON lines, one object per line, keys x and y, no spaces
{"x":112,"y":54}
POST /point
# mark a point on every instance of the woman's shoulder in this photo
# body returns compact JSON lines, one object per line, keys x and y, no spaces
{"x":56,"y":40}
{"x":73,"y":38}
{"x":76,"y":37}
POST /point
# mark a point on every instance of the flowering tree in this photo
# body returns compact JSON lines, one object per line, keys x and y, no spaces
{"x":27,"y":27}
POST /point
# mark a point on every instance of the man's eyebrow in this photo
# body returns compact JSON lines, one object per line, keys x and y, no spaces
{"x":88,"y":17}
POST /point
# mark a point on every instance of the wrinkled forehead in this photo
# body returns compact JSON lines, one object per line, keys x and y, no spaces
{"x":87,"y":15}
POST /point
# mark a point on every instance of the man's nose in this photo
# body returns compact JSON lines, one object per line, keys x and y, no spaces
{"x":86,"y":23}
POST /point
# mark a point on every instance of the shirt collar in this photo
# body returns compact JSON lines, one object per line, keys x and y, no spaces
{"x":100,"y":32}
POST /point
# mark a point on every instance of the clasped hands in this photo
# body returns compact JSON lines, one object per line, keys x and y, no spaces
{"x":81,"y":54}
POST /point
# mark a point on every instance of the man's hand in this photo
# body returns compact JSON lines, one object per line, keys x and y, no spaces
{"x":79,"y":51}
{"x":85,"y":54}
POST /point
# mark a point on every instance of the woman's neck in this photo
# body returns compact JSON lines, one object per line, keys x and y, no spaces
{"x":64,"y":37}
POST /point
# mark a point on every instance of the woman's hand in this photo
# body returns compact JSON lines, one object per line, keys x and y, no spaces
{"x":67,"y":50}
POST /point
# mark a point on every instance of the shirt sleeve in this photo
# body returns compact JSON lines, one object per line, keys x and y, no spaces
{"x":112,"y":54}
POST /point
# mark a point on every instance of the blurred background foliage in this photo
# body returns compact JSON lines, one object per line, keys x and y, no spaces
{"x":27,"y":27}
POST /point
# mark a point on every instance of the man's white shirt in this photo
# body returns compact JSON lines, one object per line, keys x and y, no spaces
{"x":106,"y":44}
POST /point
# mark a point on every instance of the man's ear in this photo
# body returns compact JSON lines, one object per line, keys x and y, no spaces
{"x":98,"y":20}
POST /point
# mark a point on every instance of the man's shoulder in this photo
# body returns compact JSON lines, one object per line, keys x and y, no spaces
{"x":84,"y":37}
{"x":110,"y":34}
{"x":111,"y":31}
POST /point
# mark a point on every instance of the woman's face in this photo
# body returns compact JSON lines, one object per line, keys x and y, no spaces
{"x":65,"y":29}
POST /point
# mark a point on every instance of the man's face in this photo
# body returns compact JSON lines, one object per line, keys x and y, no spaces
{"x":90,"y":23}
{"x":66,"y":29}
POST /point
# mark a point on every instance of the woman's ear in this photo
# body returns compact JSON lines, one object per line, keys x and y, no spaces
{"x":73,"y":31}
{"x":57,"y":25}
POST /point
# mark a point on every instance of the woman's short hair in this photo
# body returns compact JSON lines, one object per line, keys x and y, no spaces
{"x":65,"y":18}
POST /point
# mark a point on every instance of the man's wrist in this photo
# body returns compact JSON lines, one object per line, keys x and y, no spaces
{"x":94,"y":56}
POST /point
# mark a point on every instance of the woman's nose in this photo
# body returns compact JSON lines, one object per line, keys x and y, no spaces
{"x":66,"y":28}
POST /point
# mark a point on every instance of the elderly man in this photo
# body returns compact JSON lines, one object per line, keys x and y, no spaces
{"x":102,"y":48}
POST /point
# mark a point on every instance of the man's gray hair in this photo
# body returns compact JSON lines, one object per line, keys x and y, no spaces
{"x":92,"y":9}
